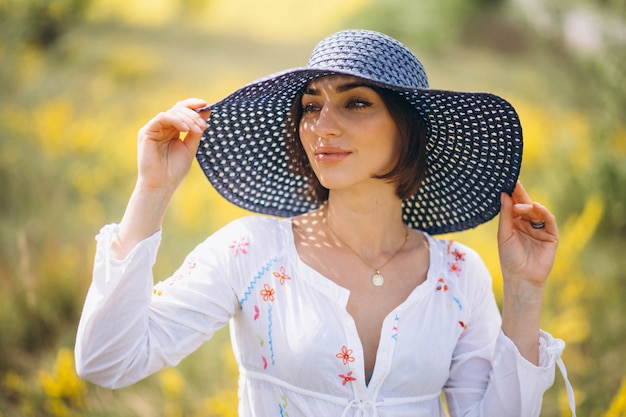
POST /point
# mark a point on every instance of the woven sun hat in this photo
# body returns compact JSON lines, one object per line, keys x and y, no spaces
{"x":474,"y":140}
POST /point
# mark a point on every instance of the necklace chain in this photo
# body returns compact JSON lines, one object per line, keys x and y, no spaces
{"x":377,"y":279}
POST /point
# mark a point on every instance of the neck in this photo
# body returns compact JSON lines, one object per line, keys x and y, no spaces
{"x":372,"y":226}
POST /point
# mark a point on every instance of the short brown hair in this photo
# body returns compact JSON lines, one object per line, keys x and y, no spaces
{"x":409,"y":171}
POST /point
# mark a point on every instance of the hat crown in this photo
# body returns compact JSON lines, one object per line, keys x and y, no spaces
{"x":371,"y":55}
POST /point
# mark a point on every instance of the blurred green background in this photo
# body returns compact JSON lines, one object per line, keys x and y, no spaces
{"x":79,"y":77}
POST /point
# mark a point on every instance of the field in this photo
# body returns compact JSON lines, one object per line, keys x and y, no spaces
{"x":79,"y":77}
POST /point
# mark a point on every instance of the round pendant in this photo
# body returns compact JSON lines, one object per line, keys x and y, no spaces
{"x":378,"y":280}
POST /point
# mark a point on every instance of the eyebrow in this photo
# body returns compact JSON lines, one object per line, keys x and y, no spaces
{"x":342,"y":88}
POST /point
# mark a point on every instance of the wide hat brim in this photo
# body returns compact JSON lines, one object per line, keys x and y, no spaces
{"x":474,"y":152}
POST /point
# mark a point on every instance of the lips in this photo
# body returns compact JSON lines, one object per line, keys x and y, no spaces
{"x":330,"y":153}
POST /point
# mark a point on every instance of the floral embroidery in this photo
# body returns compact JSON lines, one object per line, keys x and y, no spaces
{"x":191,"y":264}
{"x":394,"y":334}
{"x":457,"y":258}
{"x":267,"y":293}
{"x":454,"y":267}
{"x":239,"y":246}
{"x":175,"y":278}
{"x":264,"y":362}
{"x":281,"y":275}
{"x":450,"y":243}
{"x":458,"y":255}
{"x":157,"y":292}
{"x":256,"y":312}
{"x":347,"y":378}
{"x":345,"y":355}
{"x":265,"y":268}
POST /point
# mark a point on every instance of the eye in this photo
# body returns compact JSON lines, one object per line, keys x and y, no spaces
{"x":310,"y":107}
{"x":358,"y":103}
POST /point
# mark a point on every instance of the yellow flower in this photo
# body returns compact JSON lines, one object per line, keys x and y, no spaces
{"x":171,"y":382}
{"x":63,"y":387}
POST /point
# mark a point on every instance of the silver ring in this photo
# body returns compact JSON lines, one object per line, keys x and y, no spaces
{"x":539,"y":225}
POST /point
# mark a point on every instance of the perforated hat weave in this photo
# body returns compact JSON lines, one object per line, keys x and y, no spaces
{"x":474,"y":139}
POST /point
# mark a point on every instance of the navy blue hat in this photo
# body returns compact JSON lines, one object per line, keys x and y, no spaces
{"x":474,"y":139}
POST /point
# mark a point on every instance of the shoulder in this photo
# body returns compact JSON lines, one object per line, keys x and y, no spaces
{"x":451,"y":251}
{"x":259,"y":232}
{"x":253,"y":225}
{"x":459,"y":262}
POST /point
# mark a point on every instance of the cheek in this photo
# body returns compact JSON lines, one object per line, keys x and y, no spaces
{"x":307,"y":139}
{"x":304,"y":128}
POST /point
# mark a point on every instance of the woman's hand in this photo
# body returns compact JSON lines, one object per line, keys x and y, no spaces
{"x":163,"y":161}
{"x":164,"y":158}
{"x":526,"y":257}
{"x":526,"y":253}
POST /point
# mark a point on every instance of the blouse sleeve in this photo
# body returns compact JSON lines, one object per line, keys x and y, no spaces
{"x":130,"y":329}
{"x":488,"y":375}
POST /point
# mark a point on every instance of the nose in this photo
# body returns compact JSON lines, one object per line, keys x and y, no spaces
{"x":326,"y":123}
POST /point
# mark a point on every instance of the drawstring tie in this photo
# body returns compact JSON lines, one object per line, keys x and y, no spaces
{"x":554,"y":350}
{"x":362,"y":408}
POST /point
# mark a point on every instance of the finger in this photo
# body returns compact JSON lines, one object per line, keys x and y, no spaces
{"x":527,"y":213}
{"x":547,"y":217}
{"x":195,"y":111}
{"x":192,"y":121}
{"x":505,"y":224}
{"x":177,"y":120}
{"x":192,"y":141}
{"x":520,"y":195}
{"x":180,"y":118}
{"x":196,"y":120}
{"x":536,"y":214}
{"x":191,"y":103}
{"x":523,"y":205}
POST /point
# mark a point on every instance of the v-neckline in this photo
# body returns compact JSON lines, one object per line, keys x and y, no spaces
{"x":341,"y":295}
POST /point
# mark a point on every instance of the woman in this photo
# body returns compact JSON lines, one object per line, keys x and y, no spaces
{"x":348,"y":305}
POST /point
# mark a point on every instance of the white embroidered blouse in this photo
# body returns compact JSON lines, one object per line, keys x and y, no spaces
{"x":297,"y":347}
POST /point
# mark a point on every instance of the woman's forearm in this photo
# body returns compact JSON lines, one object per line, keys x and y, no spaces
{"x":521,"y":317}
{"x":142,"y":218}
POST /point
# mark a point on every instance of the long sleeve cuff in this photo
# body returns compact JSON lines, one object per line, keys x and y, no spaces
{"x":120,"y":291}
{"x":535,"y":380}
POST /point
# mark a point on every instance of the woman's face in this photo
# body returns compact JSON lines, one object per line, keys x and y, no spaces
{"x":347,"y":132}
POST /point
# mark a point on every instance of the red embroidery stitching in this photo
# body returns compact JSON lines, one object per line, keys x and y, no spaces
{"x":454,"y":267}
{"x":458,"y":255}
{"x":281,"y":275}
{"x":267,"y":293}
{"x":347,"y":378}
{"x":345,"y":355}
